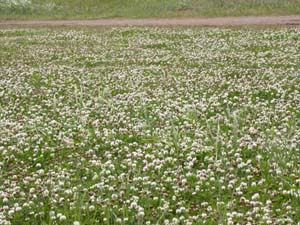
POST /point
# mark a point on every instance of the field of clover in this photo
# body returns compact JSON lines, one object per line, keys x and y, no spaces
{"x":150,"y":126}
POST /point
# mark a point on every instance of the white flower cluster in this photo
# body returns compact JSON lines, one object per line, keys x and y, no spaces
{"x":150,"y":126}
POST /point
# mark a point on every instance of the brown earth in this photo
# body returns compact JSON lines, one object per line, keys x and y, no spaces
{"x":201,"y":22}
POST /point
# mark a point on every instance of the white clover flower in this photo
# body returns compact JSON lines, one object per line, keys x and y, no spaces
{"x":255,"y":196}
{"x":62,"y":217}
{"x":114,"y":196}
{"x":91,"y":207}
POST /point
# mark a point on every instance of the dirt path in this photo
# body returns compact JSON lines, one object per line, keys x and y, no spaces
{"x":214,"y":22}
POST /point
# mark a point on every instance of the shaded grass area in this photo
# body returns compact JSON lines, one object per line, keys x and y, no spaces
{"x":91,"y":9}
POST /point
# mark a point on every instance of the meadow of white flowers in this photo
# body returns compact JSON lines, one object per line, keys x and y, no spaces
{"x":150,"y":126}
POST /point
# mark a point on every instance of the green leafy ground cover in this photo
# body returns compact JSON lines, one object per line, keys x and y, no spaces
{"x":91,"y":9}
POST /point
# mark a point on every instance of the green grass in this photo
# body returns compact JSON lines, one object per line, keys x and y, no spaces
{"x":91,"y":9}
{"x":149,"y":126}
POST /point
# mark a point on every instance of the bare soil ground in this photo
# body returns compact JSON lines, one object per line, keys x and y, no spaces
{"x":212,"y":22}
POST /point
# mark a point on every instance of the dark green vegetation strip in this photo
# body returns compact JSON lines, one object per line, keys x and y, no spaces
{"x":91,"y":9}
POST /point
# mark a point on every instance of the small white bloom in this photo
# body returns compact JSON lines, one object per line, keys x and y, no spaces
{"x":62,"y":218}
{"x":255,"y":196}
